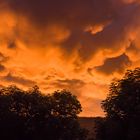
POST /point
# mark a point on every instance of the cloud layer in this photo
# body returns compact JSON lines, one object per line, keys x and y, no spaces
{"x":79,"y":45}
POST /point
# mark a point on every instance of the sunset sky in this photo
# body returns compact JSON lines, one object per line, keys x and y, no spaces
{"x":78,"y":45}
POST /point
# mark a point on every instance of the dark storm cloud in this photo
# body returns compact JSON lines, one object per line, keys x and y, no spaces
{"x":114,"y":36}
{"x":116,"y":64}
{"x":64,"y":11}
{"x":18,"y":80}
{"x":2,"y":68}
{"x":118,"y":18}
{"x":76,"y":15}
{"x":12,"y":45}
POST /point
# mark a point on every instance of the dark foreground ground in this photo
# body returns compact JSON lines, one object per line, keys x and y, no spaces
{"x":88,"y":123}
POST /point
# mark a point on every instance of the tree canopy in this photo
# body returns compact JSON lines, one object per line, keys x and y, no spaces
{"x":122,"y":108}
{"x":28,"y":115}
{"x":123,"y":100}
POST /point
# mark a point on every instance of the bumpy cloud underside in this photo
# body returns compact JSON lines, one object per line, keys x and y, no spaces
{"x":79,"y":45}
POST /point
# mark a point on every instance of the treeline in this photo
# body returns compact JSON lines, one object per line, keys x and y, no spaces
{"x":31,"y":115}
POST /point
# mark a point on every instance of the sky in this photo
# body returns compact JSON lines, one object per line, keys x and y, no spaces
{"x":78,"y":45}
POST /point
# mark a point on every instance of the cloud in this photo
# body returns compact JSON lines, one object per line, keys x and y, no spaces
{"x":73,"y":85}
{"x":133,"y":51}
{"x":69,"y":82}
{"x":73,"y":16}
{"x":116,"y":64}
{"x":12,"y":45}
{"x":2,"y":68}
{"x":17,"y":80}
{"x":49,"y":19}
{"x":48,"y":11}
{"x":3,"y":58}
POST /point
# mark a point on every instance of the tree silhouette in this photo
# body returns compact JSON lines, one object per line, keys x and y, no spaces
{"x":122,"y":108}
{"x":123,"y":100}
{"x":28,"y":115}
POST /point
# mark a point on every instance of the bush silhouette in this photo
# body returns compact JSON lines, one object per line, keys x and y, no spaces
{"x":30,"y":115}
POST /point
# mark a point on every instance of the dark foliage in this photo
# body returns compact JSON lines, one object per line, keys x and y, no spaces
{"x":122,"y":108}
{"x":30,"y":115}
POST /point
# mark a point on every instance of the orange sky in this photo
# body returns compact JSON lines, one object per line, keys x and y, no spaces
{"x":78,"y":45}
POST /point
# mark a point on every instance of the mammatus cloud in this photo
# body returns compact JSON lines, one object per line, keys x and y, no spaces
{"x":78,"y":45}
